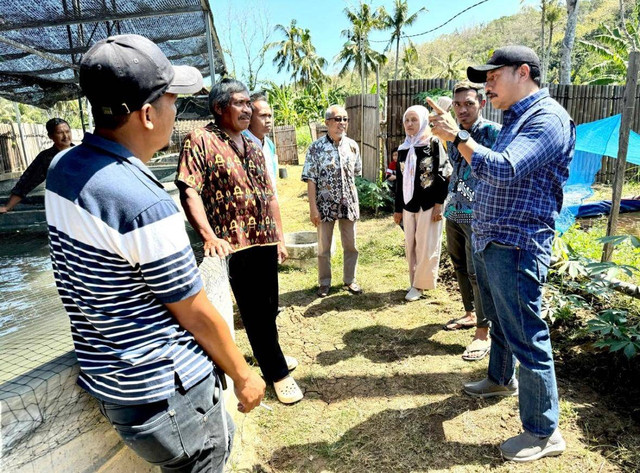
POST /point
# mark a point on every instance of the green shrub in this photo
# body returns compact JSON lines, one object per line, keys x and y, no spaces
{"x":373,"y":196}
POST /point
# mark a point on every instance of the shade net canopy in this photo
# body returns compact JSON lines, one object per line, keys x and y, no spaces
{"x":42,"y":41}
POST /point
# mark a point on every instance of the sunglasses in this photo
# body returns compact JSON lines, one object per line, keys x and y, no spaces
{"x":340,"y":119}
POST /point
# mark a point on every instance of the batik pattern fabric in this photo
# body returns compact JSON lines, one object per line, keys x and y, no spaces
{"x":459,"y":204}
{"x":234,"y":186}
{"x":333,"y":168}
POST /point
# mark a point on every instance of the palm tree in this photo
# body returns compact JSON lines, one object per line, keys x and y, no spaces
{"x":396,"y":22}
{"x":289,"y":53}
{"x":309,"y":65}
{"x":612,"y":45}
{"x":357,"y":52}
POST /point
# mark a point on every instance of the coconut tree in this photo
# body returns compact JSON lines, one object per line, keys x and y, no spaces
{"x":356,"y":52}
{"x":308,"y":64}
{"x":288,"y":53}
{"x":396,"y":22}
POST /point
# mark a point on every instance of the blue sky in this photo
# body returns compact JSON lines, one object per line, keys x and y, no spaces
{"x":325,"y":20}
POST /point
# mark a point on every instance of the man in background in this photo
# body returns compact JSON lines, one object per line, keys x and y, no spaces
{"x":330,"y":171}
{"x":259,"y":127}
{"x":468,"y":102}
{"x":59,"y":132}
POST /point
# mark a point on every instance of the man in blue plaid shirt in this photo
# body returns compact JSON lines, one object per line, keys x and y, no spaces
{"x":518,"y":197}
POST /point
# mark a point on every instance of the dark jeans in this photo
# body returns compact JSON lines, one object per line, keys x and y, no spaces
{"x":253,"y":274}
{"x":189,"y":432}
{"x":510,"y":281}
{"x":461,"y":252}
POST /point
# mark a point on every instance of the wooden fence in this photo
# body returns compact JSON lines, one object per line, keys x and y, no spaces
{"x":15,"y":158}
{"x":366,"y":114}
{"x":585,"y":103}
{"x":284,"y":138}
{"x":318,"y":130}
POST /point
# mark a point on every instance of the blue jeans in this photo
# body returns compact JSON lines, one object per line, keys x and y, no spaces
{"x":189,"y":432}
{"x":510,"y":281}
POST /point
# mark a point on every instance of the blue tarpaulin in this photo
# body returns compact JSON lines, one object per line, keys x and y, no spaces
{"x":593,"y":141}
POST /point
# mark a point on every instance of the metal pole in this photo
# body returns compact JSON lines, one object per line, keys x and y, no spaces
{"x":628,"y":106}
{"x":19,"y":121}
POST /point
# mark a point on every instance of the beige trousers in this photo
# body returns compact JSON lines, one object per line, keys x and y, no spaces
{"x":348,"y":237}
{"x":422,"y":238}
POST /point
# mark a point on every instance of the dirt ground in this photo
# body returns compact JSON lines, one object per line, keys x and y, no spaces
{"x":382,"y":380}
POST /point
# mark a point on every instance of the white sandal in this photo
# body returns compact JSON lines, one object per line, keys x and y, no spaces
{"x":292,"y":363}
{"x":288,"y":391}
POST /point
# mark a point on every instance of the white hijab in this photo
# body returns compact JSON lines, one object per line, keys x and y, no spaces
{"x":419,"y":139}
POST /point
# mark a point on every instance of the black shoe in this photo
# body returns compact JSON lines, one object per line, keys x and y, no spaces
{"x":323,"y":291}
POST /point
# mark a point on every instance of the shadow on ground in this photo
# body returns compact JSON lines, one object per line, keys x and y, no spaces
{"x":338,"y":388}
{"x":382,"y":344}
{"x":394,"y":440}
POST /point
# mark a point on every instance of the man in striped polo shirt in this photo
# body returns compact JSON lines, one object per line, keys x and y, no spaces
{"x":144,"y":331}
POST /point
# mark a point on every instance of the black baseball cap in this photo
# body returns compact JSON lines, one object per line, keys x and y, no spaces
{"x":121,"y":73}
{"x":506,"y":56}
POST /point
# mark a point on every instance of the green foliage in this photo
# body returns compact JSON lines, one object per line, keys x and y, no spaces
{"x":373,"y":196}
{"x":580,"y":283}
{"x":432,"y":94}
{"x":615,"y":332}
{"x":298,"y":106}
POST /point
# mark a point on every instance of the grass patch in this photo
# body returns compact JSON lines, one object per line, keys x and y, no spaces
{"x":382,"y":380}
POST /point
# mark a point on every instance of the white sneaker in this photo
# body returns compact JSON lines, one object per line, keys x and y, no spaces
{"x":413,"y":295}
{"x":292,"y":363}
{"x":288,"y":391}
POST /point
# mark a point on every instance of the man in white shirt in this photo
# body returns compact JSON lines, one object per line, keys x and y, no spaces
{"x":259,"y":128}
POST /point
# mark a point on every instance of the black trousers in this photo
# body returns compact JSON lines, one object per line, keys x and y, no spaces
{"x":253,"y":274}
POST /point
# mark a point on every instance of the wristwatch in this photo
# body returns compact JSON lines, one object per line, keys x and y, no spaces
{"x":462,"y":137}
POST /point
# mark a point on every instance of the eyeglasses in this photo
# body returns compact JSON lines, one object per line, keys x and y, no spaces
{"x":340,"y":119}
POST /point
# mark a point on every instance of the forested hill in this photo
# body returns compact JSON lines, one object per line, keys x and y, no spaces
{"x":450,"y":54}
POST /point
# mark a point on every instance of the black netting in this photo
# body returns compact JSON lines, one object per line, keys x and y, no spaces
{"x":62,"y":30}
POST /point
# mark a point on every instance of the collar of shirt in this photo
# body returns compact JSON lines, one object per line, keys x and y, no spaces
{"x":334,"y":143}
{"x":223,"y":135}
{"x":253,"y":138}
{"x":120,"y":153}
{"x":518,"y":108}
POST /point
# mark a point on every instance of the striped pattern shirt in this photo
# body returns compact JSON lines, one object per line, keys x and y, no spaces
{"x":519,"y":190}
{"x":120,"y":252}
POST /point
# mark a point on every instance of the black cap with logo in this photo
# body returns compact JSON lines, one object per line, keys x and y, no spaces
{"x":120,"y":74}
{"x":506,"y":56}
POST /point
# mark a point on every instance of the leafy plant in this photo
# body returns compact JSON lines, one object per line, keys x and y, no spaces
{"x":579,"y":276}
{"x":373,"y":196}
{"x":615,"y":333}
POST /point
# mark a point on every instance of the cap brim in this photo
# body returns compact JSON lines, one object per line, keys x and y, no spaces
{"x":187,"y":80}
{"x":478,"y":74}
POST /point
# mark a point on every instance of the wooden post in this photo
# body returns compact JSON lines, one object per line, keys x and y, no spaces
{"x":25,"y":159}
{"x":628,"y":106}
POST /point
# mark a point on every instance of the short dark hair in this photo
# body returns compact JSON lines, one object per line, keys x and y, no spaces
{"x":534,"y":72}
{"x":53,"y":123}
{"x":258,"y":97}
{"x":464,"y":85}
{"x":221,"y":93}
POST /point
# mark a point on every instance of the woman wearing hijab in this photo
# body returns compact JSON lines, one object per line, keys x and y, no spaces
{"x":421,"y":186}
